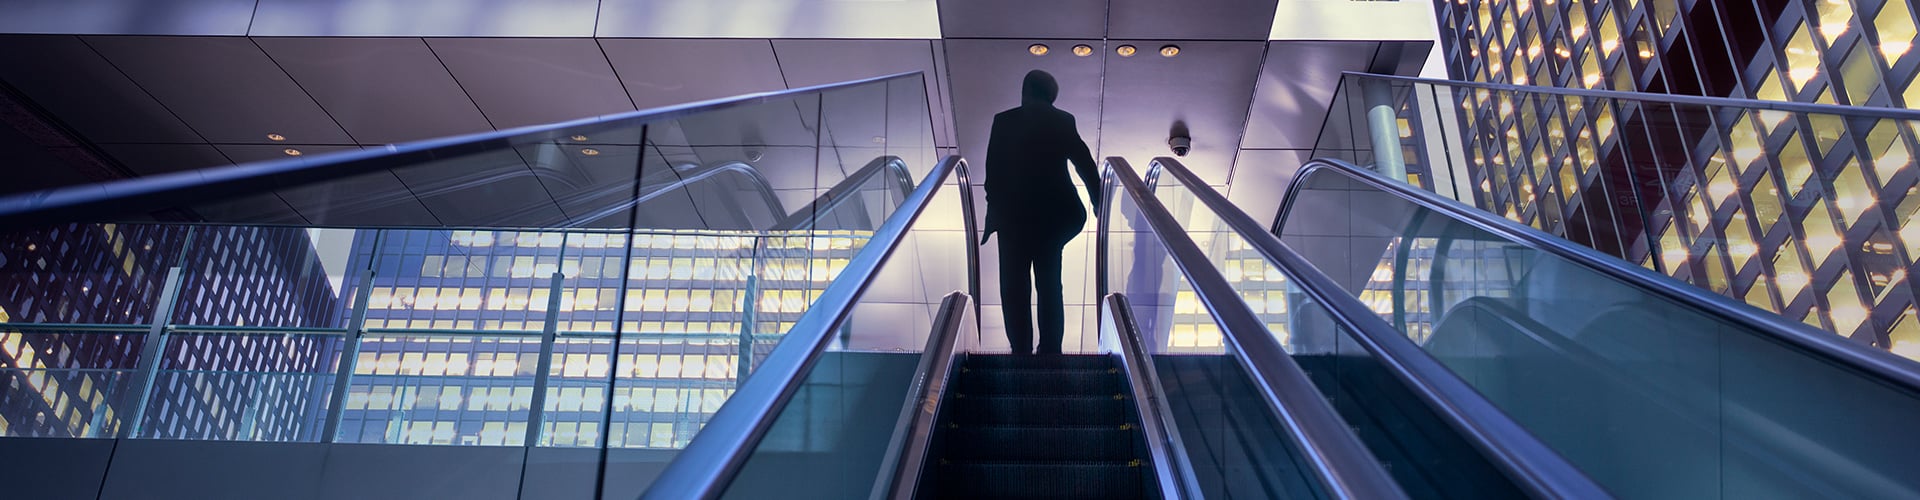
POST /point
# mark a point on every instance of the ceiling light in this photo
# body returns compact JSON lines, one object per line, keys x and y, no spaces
{"x":1083,"y":50}
{"x":1170,"y":51}
{"x":291,"y":152}
{"x":590,"y":152}
{"x":1125,"y":50}
{"x":276,"y":137}
{"x":579,"y":138}
{"x":1038,"y":49}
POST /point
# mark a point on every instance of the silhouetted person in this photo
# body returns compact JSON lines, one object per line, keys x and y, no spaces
{"x":1031,"y":203}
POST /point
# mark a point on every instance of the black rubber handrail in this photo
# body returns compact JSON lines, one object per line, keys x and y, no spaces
{"x":1532,"y":465}
{"x":158,"y":192}
{"x":1883,"y":366}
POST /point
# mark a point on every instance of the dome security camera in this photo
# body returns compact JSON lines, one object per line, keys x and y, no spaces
{"x":1180,"y":144}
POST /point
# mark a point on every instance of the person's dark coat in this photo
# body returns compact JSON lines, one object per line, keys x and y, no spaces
{"x":1027,"y":153}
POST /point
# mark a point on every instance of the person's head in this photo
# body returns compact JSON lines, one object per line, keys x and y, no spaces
{"x":1038,"y":89}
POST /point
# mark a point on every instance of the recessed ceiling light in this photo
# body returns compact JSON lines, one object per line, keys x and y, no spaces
{"x":1038,"y":49}
{"x":291,"y":152}
{"x":590,"y":152}
{"x":579,"y":138}
{"x":276,"y":137}
{"x":1170,"y":51}
{"x":1083,"y":50}
{"x":879,"y":139}
{"x":1125,"y":51}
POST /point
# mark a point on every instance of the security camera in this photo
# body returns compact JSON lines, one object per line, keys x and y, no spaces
{"x":1179,"y":139}
{"x":1180,"y":144}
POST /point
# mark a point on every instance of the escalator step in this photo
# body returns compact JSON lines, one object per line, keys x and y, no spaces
{"x":1041,"y":443}
{"x":1057,"y":382}
{"x":1040,"y":410}
{"x":1042,"y":480}
{"x":1004,"y":362}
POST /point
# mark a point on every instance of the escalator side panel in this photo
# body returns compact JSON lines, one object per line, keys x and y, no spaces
{"x":1237,"y":448}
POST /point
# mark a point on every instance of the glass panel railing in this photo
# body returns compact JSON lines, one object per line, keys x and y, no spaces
{"x":1423,"y":423}
{"x":1652,"y":389}
{"x":1803,"y":210}
{"x":1240,"y":404}
{"x":606,"y":282}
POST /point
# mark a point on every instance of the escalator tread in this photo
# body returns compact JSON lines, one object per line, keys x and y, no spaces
{"x":1039,"y":427}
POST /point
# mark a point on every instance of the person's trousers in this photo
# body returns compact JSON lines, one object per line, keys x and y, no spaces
{"x":1029,"y":263}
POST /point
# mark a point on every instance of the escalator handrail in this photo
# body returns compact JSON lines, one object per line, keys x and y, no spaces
{"x":907,"y":451}
{"x":1882,"y":365}
{"x":1172,"y":468}
{"x":721,"y":449}
{"x":1328,"y":447}
{"x":1726,"y":102}
{"x":699,"y":173}
{"x":1534,"y":466}
{"x":146,"y":194}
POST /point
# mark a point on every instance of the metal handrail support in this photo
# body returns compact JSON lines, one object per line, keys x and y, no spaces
{"x":720,"y":450}
{"x":907,"y":450}
{"x":1172,"y":468}
{"x":1538,"y":469}
{"x":1326,"y":443}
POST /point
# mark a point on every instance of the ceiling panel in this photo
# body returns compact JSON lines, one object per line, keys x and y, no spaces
{"x":1023,"y":18}
{"x":150,"y":159}
{"x":382,"y":90}
{"x":818,"y":62}
{"x":1208,"y":87}
{"x":249,"y":153}
{"x":994,"y":70}
{"x":1191,"y":19}
{"x":532,"y":81}
{"x":664,"y":72}
{"x":1297,"y":82}
{"x":68,"y":79}
{"x":224,"y":87}
{"x":769,"y":19}
{"x":519,"y":18}
{"x":128,"y":17}
{"x":32,"y":167}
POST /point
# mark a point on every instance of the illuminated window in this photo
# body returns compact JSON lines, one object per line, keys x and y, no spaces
{"x":1577,"y":21}
{"x":1673,"y":252}
{"x":1844,"y":304}
{"x":1795,"y":168}
{"x":1905,"y":334}
{"x":1889,"y":153}
{"x":1827,"y":130}
{"x":1770,"y":88}
{"x":1788,"y":273}
{"x":1835,"y":18}
{"x":1663,"y":13}
{"x":1715,"y":264}
{"x":1852,"y":194}
{"x":1803,"y":60}
{"x":1740,"y":241}
{"x":1822,"y":235}
{"x":1895,"y":27}
{"x":1609,"y":34}
{"x":1862,"y":76}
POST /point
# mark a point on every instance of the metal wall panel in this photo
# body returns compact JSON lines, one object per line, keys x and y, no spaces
{"x":127,"y":17}
{"x":1297,"y":83}
{"x":988,"y":79}
{"x":1191,"y":19}
{"x":1023,"y":18}
{"x":769,"y":19}
{"x":224,"y":87}
{"x":526,"y":18}
{"x":1260,"y":178}
{"x":531,"y":81}
{"x":68,"y":79}
{"x":1208,"y":86}
{"x":660,"y":72}
{"x":382,"y":90}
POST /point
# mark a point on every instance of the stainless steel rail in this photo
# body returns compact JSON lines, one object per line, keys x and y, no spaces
{"x":1335,"y":456}
{"x":1536,"y":468}
{"x":1172,"y":468}
{"x":907,"y":451}
{"x":721,"y":449}
{"x":150,"y":193}
{"x":1881,"y":365}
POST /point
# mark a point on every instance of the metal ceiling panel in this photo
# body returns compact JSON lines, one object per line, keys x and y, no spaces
{"x":224,"y":87}
{"x":769,"y":19}
{"x":32,"y":167}
{"x":991,"y":72}
{"x":68,"y":79}
{"x":1191,"y":19}
{"x":1023,"y":18}
{"x":382,"y":90}
{"x":249,"y":153}
{"x":532,"y":81}
{"x":661,"y":72}
{"x":1207,"y":87}
{"x":518,"y":18}
{"x":127,"y":17}
{"x":1297,"y":82}
{"x":150,"y":159}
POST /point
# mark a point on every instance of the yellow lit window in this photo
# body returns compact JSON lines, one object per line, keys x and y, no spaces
{"x":1836,"y":17}
{"x":1609,"y":34}
{"x":1803,"y":60}
{"x":1740,"y":242}
{"x":1577,"y":21}
{"x":1770,"y":88}
{"x":1822,"y":235}
{"x":1663,"y":13}
{"x":1895,"y":27}
{"x":1673,"y":252}
{"x":1852,"y":194}
{"x":1844,"y":304}
{"x":1789,"y":274}
{"x":1826,"y":131}
{"x":1890,"y":154}
{"x":1904,"y":337}
{"x":1795,"y":168}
